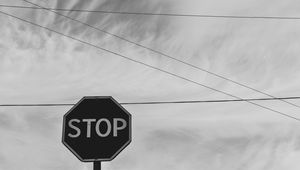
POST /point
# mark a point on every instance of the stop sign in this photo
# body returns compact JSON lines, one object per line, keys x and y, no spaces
{"x":96,"y":129}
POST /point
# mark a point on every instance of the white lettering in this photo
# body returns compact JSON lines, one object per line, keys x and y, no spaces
{"x":74,"y":127}
{"x":98,"y":127}
{"x":88,"y":126}
{"x":116,"y":128}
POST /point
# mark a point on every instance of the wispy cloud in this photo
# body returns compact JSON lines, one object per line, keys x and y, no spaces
{"x":37,"y":66}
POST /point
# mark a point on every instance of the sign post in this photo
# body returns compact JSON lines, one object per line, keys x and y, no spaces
{"x":97,"y":165}
{"x":96,"y":129}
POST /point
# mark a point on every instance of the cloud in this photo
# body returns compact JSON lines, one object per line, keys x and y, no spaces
{"x":228,"y":147}
{"x":37,"y":66}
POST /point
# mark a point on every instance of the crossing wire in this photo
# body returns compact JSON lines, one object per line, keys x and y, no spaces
{"x":157,"y":14}
{"x":147,"y":65}
{"x":161,"y":53}
{"x":156,"y":102}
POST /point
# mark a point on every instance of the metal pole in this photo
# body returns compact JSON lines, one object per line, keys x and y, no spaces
{"x":97,"y":165}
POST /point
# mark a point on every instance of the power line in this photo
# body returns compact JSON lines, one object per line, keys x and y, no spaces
{"x":158,"y":14}
{"x":38,"y":105}
{"x":149,"y":66}
{"x":161,"y":53}
{"x":157,"y":102}
{"x":207,"y":101}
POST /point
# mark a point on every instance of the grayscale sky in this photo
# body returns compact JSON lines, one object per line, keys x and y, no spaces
{"x":37,"y":66}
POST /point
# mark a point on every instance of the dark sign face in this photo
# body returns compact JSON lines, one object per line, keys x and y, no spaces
{"x":96,"y":129}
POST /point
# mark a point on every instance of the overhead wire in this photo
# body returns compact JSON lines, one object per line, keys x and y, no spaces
{"x":147,"y":65}
{"x":157,"y":14}
{"x":155,"y":102}
{"x":161,"y":53}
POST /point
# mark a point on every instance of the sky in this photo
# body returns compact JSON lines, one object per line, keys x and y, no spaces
{"x":37,"y":66}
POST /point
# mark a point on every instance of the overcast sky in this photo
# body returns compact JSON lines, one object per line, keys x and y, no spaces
{"x":37,"y":66}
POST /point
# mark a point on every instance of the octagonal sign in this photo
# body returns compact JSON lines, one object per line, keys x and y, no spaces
{"x":96,"y":129}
